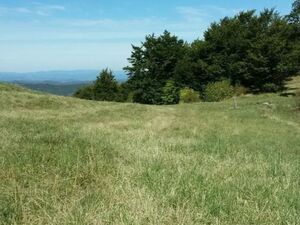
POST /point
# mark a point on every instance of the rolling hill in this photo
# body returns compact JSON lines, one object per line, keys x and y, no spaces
{"x":64,"y":89}
{"x":64,"y":83}
{"x":70,"y":161}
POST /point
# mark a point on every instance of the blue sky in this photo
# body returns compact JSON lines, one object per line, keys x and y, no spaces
{"x":93,"y":34}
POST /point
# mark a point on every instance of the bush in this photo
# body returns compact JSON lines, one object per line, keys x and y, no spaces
{"x":123,"y":92}
{"x":148,"y":91}
{"x":130,"y":97}
{"x":240,"y":90}
{"x":85,"y":93}
{"x":170,"y":93}
{"x":270,"y":87}
{"x":188,"y":95}
{"x":218,"y":91}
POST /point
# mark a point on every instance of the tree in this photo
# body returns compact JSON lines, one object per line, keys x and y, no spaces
{"x":293,"y":35}
{"x":259,"y":51}
{"x":294,"y":16}
{"x":248,"y":49}
{"x":105,"y":86}
{"x":152,"y":64}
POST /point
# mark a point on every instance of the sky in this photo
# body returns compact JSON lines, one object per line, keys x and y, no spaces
{"x":94,"y":34}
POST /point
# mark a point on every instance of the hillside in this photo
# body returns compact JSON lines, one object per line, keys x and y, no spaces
{"x":64,"y":89}
{"x":70,"y":161}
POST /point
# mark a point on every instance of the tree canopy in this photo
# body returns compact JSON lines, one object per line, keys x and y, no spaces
{"x":152,"y":64}
{"x":258,"y":51}
{"x":248,"y":49}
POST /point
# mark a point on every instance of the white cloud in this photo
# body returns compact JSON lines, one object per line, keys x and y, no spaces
{"x":224,"y":11}
{"x":35,"y":8}
{"x":204,"y":12}
{"x":22,"y":10}
{"x":53,"y":7}
{"x":191,"y":13}
{"x":42,"y":13}
{"x":46,"y":10}
{"x":113,"y":24}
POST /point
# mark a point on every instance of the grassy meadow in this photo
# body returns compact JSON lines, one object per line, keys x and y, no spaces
{"x":71,"y":161}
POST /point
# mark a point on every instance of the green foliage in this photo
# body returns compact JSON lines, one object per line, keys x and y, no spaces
{"x":293,"y":36}
{"x":170,"y":93}
{"x":271,"y":87}
{"x":86,"y":92}
{"x":249,"y":49}
{"x":294,"y":16}
{"x":188,"y":95}
{"x":130,"y":97}
{"x":123,"y":92}
{"x":184,"y":75}
{"x":152,"y":65}
{"x":218,"y":91}
{"x":106,"y":87}
{"x":148,"y":91}
{"x":257,"y":52}
{"x":240,"y":90}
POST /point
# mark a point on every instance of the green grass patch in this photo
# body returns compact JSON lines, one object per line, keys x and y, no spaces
{"x":70,"y":161}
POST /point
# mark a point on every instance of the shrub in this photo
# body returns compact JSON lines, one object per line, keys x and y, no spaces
{"x":148,"y":91}
{"x":170,"y":93}
{"x":270,"y":87}
{"x":218,"y":91}
{"x":130,"y":97}
{"x":123,"y":92}
{"x":188,"y":95}
{"x":240,"y":90}
{"x":86,"y":92}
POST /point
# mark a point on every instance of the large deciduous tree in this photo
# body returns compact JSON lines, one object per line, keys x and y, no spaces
{"x":249,"y":49}
{"x":293,"y":36}
{"x":152,"y":64}
{"x":294,"y":16}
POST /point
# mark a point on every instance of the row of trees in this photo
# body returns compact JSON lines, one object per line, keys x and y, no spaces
{"x":258,"y":51}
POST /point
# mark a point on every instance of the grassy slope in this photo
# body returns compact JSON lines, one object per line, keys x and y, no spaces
{"x":68,"y":161}
{"x":56,"y":89}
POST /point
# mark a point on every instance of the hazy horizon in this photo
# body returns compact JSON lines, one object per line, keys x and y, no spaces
{"x":60,"y":76}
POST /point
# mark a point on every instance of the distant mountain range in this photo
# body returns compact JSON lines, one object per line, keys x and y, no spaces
{"x":50,"y":77}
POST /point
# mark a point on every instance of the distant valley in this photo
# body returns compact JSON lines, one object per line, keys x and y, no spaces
{"x":64,"y":83}
{"x":64,"y":89}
